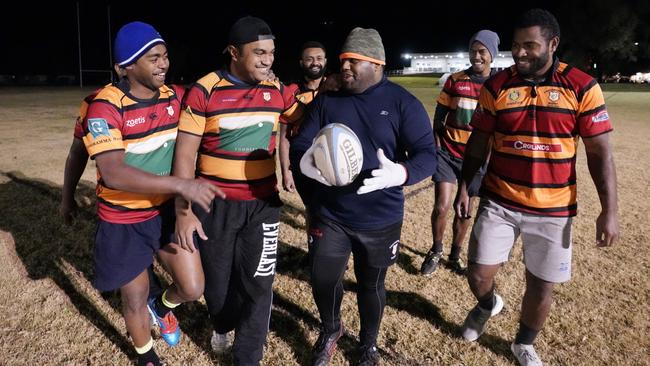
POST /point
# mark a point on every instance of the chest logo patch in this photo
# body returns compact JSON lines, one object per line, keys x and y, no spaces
{"x":266,"y":96}
{"x":514,"y":95}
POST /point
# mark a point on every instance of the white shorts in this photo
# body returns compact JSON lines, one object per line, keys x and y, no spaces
{"x":546,"y":240}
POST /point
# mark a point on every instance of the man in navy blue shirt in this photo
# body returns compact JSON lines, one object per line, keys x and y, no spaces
{"x":364,"y":217}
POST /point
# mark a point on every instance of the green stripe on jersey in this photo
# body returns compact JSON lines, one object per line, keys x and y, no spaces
{"x":158,"y":161}
{"x":246,"y":139}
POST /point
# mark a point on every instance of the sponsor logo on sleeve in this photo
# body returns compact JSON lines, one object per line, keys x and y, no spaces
{"x":98,"y":127}
{"x":601,"y":116}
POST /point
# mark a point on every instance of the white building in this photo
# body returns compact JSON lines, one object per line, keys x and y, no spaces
{"x":449,"y":62}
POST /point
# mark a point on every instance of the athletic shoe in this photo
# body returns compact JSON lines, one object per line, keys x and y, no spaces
{"x":221,"y":343}
{"x":325,"y":346}
{"x":525,"y":354}
{"x":169,"y":329}
{"x":369,"y":356}
{"x":457,"y":266}
{"x":430,"y":262}
{"x":477,"y":318}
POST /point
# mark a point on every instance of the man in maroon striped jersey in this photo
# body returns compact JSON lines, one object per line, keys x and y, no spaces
{"x":451,"y":128}
{"x":532,"y":116}
{"x":231,"y":117}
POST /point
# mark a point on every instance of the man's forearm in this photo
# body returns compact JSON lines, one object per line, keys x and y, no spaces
{"x":477,"y":151}
{"x":603,"y":173}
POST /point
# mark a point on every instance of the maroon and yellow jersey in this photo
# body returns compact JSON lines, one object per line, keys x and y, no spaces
{"x":83,"y":109}
{"x":304,"y":96}
{"x":146,"y":131}
{"x":238,"y":123}
{"x":455,"y":106}
{"x":536,"y":128}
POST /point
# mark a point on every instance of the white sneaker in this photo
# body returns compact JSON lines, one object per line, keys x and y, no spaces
{"x":221,"y":343}
{"x":525,"y":354}
{"x":477,"y":318}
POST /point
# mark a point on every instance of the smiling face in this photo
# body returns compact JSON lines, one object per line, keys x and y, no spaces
{"x":533,"y":52}
{"x":148,"y":73}
{"x":313,"y":62}
{"x":480,"y":58}
{"x":358,"y":75}
{"x":251,"y":62}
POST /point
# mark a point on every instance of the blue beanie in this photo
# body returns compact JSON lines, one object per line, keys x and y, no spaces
{"x":134,"y":40}
{"x":489,"y":39}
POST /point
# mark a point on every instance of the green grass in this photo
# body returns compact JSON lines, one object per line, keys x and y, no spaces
{"x":415,"y":81}
{"x":432,"y":81}
{"x":625,"y":87}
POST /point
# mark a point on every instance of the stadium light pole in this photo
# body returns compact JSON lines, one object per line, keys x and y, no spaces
{"x":110,"y":45}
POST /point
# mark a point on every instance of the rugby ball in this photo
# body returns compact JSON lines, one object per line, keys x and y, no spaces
{"x":338,"y":154}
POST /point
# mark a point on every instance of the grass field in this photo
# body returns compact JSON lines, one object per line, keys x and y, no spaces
{"x":51,"y":315}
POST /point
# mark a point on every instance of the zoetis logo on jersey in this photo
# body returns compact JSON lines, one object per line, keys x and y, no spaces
{"x":532,"y":146}
{"x":266,"y":267}
{"x":134,"y":122}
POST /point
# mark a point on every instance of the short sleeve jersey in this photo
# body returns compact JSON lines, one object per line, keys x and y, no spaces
{"x":238,"y":123}
{"x":145,"y":129}
{"x":536,"y":128}
{"x":459,"y":97}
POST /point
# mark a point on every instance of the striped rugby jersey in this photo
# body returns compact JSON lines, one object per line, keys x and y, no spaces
{"x":304,"y":96}
{"x":238,"y":123}
{"x":146,"y":130}
{"x":83,"y":108}
{"x":455,"y":106}
{"x":536,"y":128}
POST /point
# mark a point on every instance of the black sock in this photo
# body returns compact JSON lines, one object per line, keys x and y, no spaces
{"x":150,"y":357}
{"x":525,"y":335}
{"x":437,"y":246}
{"x":160,"y":308}
{"x":487,"y":302}
{"x":454,"y":255}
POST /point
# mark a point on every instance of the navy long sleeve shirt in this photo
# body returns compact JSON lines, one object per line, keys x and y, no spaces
{"x":384,"y":116}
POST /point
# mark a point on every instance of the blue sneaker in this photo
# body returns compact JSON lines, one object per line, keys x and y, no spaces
{"x":169,"y":329}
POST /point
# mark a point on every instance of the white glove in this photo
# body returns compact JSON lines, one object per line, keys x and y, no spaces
{"x":388,"y":175}
{"x":308,"y":167}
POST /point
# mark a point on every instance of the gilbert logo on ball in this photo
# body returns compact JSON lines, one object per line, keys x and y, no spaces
{"x":338,"y":154}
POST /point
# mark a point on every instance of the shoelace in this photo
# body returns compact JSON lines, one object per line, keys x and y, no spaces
{"x":527,"y":355}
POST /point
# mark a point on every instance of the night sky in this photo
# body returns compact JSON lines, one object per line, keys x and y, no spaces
{"x":42,"y":39}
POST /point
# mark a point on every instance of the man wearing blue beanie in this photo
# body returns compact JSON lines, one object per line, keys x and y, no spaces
{"x":231,"y":117}
{"x":453,"y":114}
{"x":130,"y":131}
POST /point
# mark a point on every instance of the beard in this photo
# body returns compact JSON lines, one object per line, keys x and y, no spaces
{"x":534,"y":65}
{"x":313,"y":74}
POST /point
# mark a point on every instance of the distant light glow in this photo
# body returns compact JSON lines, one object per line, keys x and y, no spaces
{"x":636,"y":43}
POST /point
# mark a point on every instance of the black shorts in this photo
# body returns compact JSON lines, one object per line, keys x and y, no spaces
{"x":450,"y":170}
{"x":374,"y":248}
{"x":123,"y":251}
